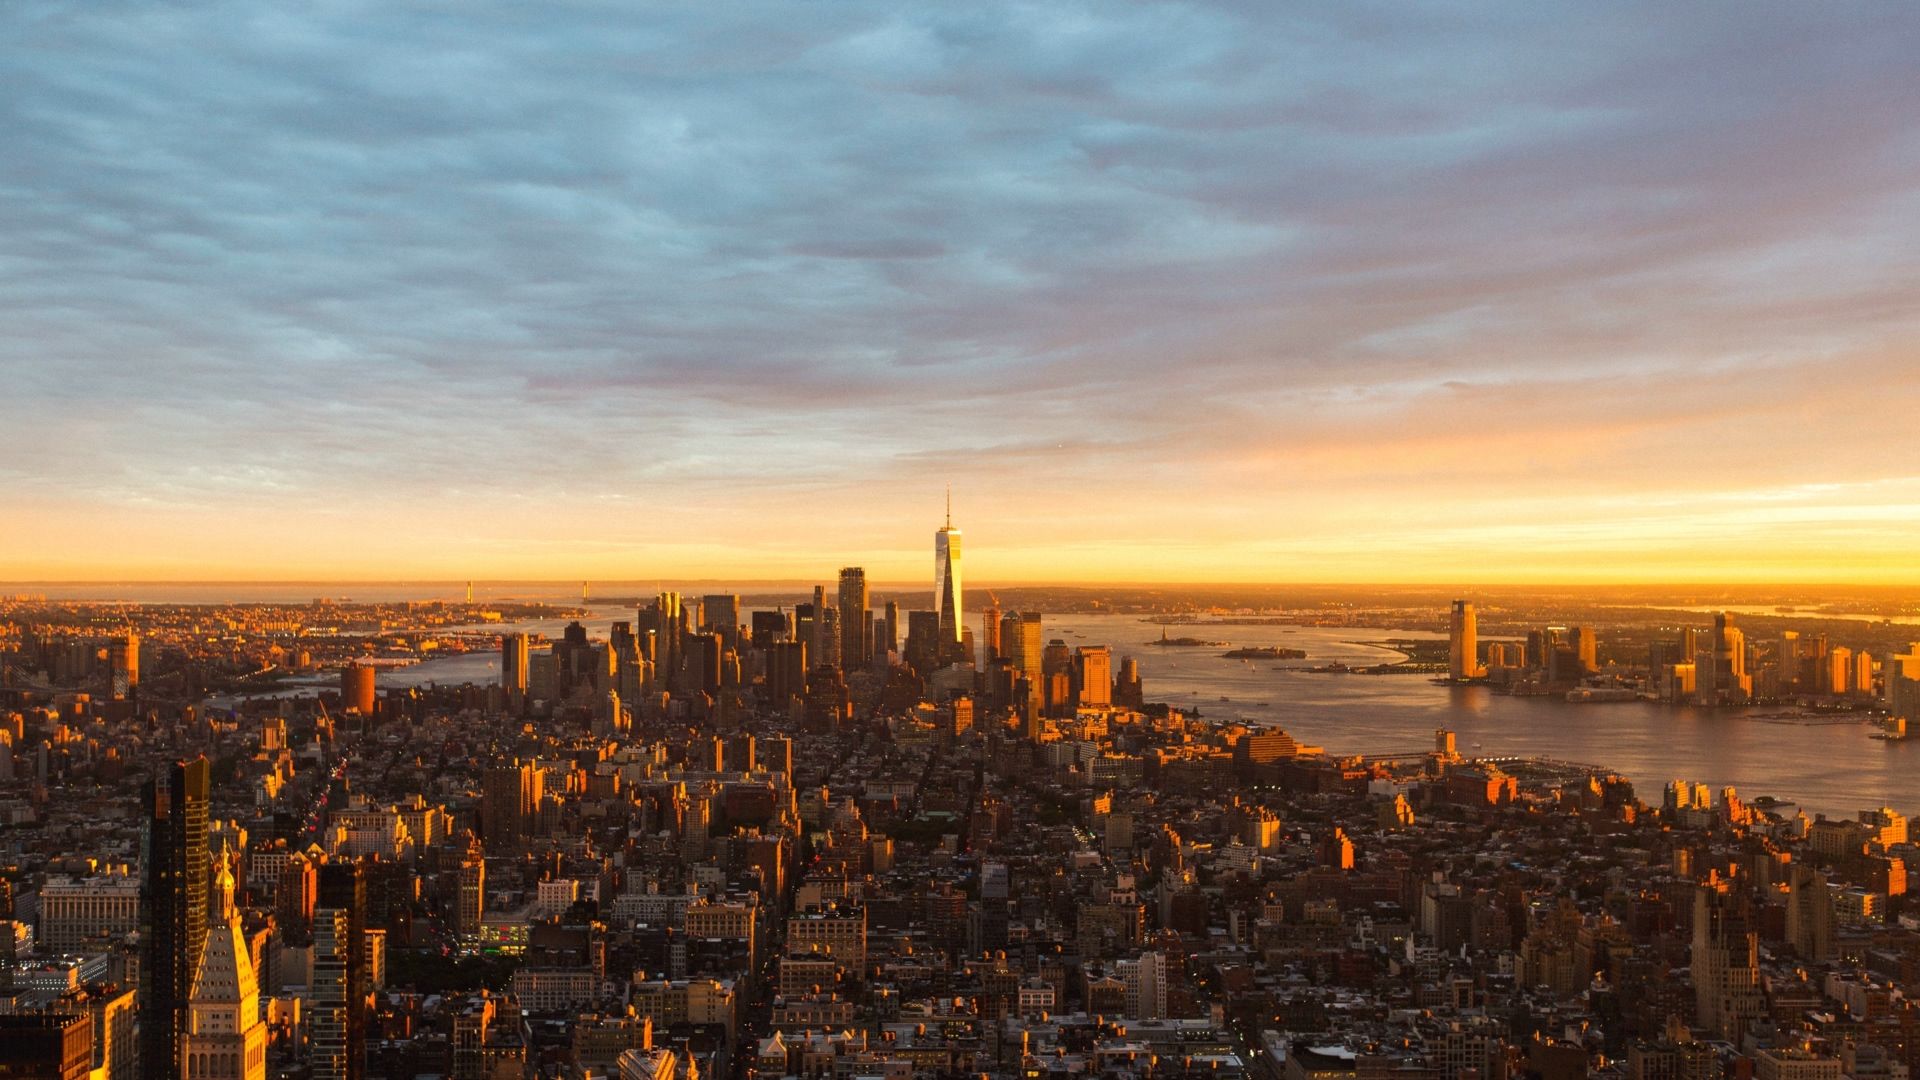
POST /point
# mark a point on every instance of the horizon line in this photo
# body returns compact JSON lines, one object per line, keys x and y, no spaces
{"x":976,"y":586}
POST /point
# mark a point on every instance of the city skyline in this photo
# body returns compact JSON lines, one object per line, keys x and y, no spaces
{"x":1421,"y":504}
{"x":1573,"y":293}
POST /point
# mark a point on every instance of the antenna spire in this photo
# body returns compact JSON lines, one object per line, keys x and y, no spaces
{"x":949,"y":506}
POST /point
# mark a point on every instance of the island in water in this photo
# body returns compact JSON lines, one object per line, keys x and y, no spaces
{"x":1265,"y":652}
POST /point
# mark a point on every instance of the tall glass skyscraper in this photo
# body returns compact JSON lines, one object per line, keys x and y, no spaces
{"x":173,"y":911}
{"x":946,"y":577}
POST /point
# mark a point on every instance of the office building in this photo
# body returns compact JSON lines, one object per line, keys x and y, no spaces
{"x":46,"y":1046}
{"x":1586,"y":650}
{"x":124,"y":652}
{"x":856,"y":647}
{"x":1021,"y":641}
{"x":1730,"y":679}
{"x":1093,"y":676}
{"x":90,"y":914}
{"x":720,"y":614}
{"x":513,"y":667}
{"x":175,"y":911}
{"x":769,"y":627}
{"x":948,"y":599}
{"x":1463,"y":644}
{"x":356,"y":689}
{"x":787,"y":670}
{"x":226,"y":1039}
{"x":1725,"y":966}
{"x":341,"y":977}
{"x":990,"y":631}
{"x":510,"y":804}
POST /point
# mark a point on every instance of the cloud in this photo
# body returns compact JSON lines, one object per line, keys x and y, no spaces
{"x":697,"y":266}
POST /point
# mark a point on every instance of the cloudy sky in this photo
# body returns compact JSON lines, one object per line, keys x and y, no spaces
{"x":1452,"y":292}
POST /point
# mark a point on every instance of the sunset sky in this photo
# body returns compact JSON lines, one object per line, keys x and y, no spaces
{"x":1342,"y":292}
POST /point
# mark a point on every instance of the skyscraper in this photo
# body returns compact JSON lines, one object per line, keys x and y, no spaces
{"x":1730,"y":678}
{"x":947,"y":596}
{"x":357,"y":689}
{"x":341,"y":980}
{"x":1021,"y":642}
{"x":513,"y":666}
{"x":1463,"y":648}
{"x":856,"y":649}
{"x":174,"y":911}
{"x":1726,"y":981}
{"x":990,"y":630}
{"x":825,"y":640}
{"x":56,"y":1045}
{"x":509,"y":801}
{"x":720,"y":614}
{"x":225,"y":1038}
{"x":1093,"y":676}
{"x":1586,"y":649}
{"x":125,"y":654}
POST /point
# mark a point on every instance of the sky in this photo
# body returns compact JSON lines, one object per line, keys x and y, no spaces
{"x":1451,"y":292}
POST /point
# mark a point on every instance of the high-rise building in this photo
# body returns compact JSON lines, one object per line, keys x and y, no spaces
{"x":1093,"y":676}
{"x":225,"y":1038}
{"x":856,"y":648}
{"x":787,"y":671}
{"x":703,"y":662}
{"x":990,"y":631}
{"x":341,"y":979}
{"x":509,"y":804}
{"x":175,"y":909}
{"x":1463,"y":644}
{"x":825,"y":641}
{"x":125,"y":654}
{"x":1021,"y":641}
{"x":660,"y":627}
{"x":1145,"y":978}
{"x":776,"y":754}
{"x":827,"y":632}
{"x":1724,"y":962}
{"x":513,"y":666}
{"x":1586,"y":649}
{"x":948,"y":598}
{"x":1809,"y":913}
{"x":769,"y":627}
{"x":1127,"y":689}
{"x":470,"y":901}
{"x":356,"y":689}
{"x":893,"y":626}
{"x":1839,"y":673}
{"x":804,"y":616}
{"x":923,"y":640}
{"x":720,"y":614}
{"x":1730,"y":679}
{"x":47,"y":1045}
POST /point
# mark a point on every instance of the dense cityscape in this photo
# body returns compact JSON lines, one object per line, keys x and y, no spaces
{"x":1006,"y":540}
{"x":847,"y":837}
